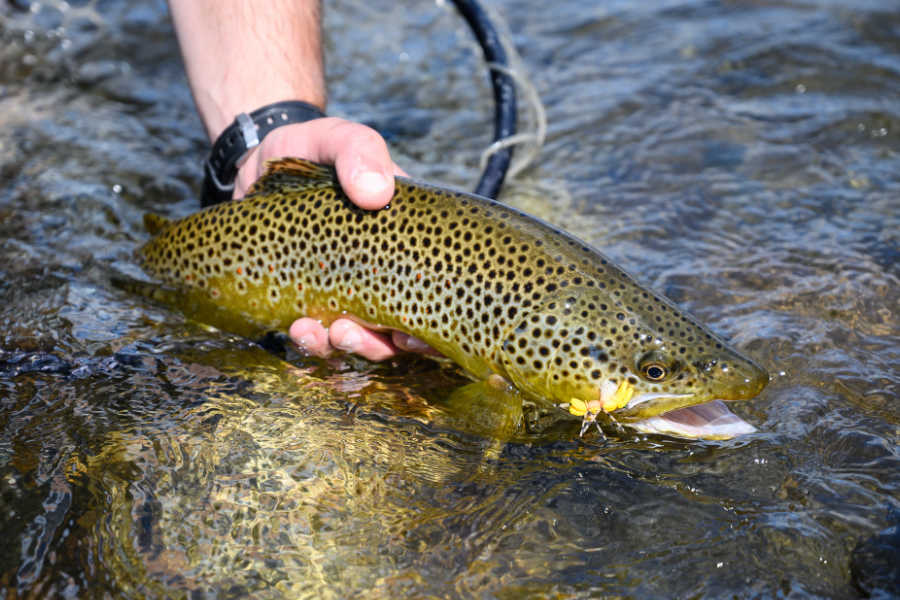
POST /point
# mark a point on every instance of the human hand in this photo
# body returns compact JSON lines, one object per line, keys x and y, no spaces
{"x":366,"y":173}
{"x":358,"y":153}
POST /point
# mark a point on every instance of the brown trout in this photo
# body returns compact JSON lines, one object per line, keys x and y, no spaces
{"x":495,"y":290}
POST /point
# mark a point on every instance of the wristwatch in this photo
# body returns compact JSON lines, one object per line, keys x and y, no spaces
{"x":245,"y":133}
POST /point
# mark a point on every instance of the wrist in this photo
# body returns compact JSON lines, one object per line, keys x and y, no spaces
{"x":240,"y":138}
{"x":219,"y":112}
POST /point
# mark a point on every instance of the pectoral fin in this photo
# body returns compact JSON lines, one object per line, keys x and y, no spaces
{"x":487,"y":408}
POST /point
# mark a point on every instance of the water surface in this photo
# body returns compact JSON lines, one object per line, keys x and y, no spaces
{"x":742,"y":158}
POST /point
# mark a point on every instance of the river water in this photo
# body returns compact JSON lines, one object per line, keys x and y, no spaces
{"x":741,"y":157}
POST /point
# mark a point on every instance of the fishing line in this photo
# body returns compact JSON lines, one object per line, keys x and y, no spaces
{"x":534,"y":139}
{"x":505,"y":110}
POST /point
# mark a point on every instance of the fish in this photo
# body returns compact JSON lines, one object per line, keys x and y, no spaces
{"x":500,"y":293}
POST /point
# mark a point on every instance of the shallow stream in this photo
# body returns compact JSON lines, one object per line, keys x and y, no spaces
{"x":741,"y":157}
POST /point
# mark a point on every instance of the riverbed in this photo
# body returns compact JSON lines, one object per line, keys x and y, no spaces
{"x":741,"y":158}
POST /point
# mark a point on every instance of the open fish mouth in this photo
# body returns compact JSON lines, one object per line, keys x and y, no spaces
{"x":710,"y":421}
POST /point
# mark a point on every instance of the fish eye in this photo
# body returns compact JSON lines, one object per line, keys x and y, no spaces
{"x":656,"y":366}
{"x":654,"y":371}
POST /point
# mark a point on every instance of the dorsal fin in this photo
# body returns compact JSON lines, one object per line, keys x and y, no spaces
{"x":294,"y":167}
{"x":300,"y":167}
{"x":154,"y":223}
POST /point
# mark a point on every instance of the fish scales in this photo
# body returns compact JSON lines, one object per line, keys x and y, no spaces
{"x":488,"y":286}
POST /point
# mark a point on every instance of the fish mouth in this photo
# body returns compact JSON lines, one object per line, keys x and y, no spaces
{"x":709,"y":421}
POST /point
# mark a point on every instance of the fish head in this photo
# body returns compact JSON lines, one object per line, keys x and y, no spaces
{"x":634,"y":356}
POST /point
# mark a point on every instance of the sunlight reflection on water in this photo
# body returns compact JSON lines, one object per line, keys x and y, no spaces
{"x":741,"y":159}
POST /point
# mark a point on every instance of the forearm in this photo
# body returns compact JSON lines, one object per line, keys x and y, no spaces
{"x":240,"y":55}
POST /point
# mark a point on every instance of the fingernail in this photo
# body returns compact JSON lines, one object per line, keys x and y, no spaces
{"x":413,"y":344}
{"x":370,"y":181}
{"x":349,"y":342}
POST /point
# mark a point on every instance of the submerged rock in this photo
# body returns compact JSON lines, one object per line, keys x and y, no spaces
{"x":875,"y":562}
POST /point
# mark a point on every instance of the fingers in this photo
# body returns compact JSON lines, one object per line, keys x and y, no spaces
{"x":363,"y":164}
{"x":348,"y":336}
{"x":354,"y":338}
{"x":344,"y":335}
{"x":311,"y":337}
{"x":359,"y":154}
{"x":408,"y":343}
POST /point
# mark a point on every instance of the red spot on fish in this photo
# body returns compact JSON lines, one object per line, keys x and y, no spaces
{"x":240,"y":271}
{"x":271,"y":269}
{"x":418,"y":276}
{"x":299,"y":287}
{"x":321,"y":264}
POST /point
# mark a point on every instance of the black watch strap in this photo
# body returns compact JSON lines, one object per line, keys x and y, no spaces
{"x":247,"y":131}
